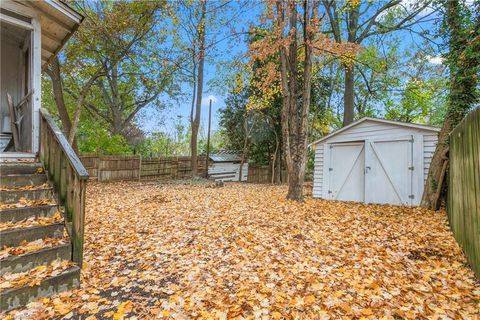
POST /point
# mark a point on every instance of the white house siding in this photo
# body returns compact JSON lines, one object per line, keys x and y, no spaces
{"x":227,"y":171}
{"x":318,"y":171}
{"x":429,"y":145}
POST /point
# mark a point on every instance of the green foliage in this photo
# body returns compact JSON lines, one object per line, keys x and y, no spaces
{"x":463,"y":58}
{"x":263,"y":126}
{"x":419,"y":100}
{"x":93,"y":138}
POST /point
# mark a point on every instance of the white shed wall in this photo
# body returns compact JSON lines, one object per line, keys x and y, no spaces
{"x":429,"y":145}
{"x":318,"y":171}
{"x":227,"y":171}
{"x":373,"y":130}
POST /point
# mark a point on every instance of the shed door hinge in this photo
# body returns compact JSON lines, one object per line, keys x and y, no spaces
{"x":411,"y":196}
{"x":411,"y":168}
{"x":329,"y":191}
{"x":330,"y":169}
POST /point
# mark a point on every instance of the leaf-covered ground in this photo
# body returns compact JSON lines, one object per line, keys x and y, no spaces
{"x":242,"y":251}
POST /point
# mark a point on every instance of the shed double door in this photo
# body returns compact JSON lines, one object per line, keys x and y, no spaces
{"x":373,"y":171}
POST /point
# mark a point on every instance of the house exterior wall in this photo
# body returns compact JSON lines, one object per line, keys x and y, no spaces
{"x":370,"y":130}
{"x":29,"y":132}
{"x":10,"y":80}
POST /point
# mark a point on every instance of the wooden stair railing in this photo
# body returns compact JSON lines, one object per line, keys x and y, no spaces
{"x":69,"y":179}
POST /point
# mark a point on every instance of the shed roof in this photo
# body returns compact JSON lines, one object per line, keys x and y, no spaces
{"x":385,"y":121}
{"x":225,"y":156}
{"x":58,"y":22}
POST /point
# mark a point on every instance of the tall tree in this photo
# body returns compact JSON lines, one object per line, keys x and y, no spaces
{"x":295,"y":37}
{"x":356,"y":21}
{"x":463,"y":59}
{"x":199,"y":57}
{"x":202,"y":26}
{"x":108,"y":35}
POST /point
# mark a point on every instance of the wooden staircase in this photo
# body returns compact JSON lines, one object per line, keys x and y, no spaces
{"x":42,"y":206}
{"x":36,"y":252}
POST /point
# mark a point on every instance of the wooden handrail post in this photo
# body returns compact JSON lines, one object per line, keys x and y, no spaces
{"x":69,"y":180}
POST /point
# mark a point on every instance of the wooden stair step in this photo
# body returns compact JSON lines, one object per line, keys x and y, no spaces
{"x":17,"y":297}
{"x":19,"y":167}
{"x":29,"y":260}
{"x":18,"y":214}
{"x":15,"y":196}
{"x":22,"y":180}
{"x":13,"y":237}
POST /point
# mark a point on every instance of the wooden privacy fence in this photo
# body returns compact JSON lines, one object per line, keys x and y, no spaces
{"x":464,"y":187}
{"x":170,"y":168}
{"x":120,"y":167}
{"x":110,"y":168}
{"x":263,"y":174}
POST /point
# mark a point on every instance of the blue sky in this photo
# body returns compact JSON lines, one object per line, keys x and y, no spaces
{"x":225,"y":51}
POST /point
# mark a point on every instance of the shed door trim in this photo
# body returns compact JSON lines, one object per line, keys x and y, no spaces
{"x":351,"y":169}
{"x":381,"y":160}
{"x":373,"y":155}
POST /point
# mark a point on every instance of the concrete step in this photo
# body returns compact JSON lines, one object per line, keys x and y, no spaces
{"x":18,"y":214}
{"x":17,"y":297}
{"x":29,"y":260}
{"x":22,"y":180}
{"x":15,"y":196}
{"x":19,"y":167}
{"x":13,"y":237}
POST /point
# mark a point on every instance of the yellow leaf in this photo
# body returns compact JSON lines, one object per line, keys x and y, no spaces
{"x":310,"y":299}
{"x":367,"y":312}
{"x":122,"y":309}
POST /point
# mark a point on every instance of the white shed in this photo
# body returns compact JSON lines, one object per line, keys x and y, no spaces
{"x":374,"y":161}
{"x":225,"y":166}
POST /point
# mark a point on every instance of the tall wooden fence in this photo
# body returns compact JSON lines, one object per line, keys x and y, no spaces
{"x":120,"y":167}
{"x":262,"y":174}
{"x":170,"y":168}
{"x":464,"y":187}
{"x":110,"y":168}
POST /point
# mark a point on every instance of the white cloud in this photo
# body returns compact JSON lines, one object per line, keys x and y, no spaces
{"x":206,"y":100}
{"x":408,"y":6}
{"x":435,"y":60}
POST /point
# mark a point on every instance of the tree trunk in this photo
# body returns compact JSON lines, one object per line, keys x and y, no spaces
{"x":296,"y":179}
{"x":240,"y":170}
{"x":198,"y":106}
{"x":348,"y":97}
{"x":54,"y":73}
{"x":430,"y":198}
{"x":244,"y":155}
{"x":274,"y":160}
{"x":295,"y":103}
{"x":78,"y":109}
{"x":278,"y":166}
{"x":462,"y":97}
